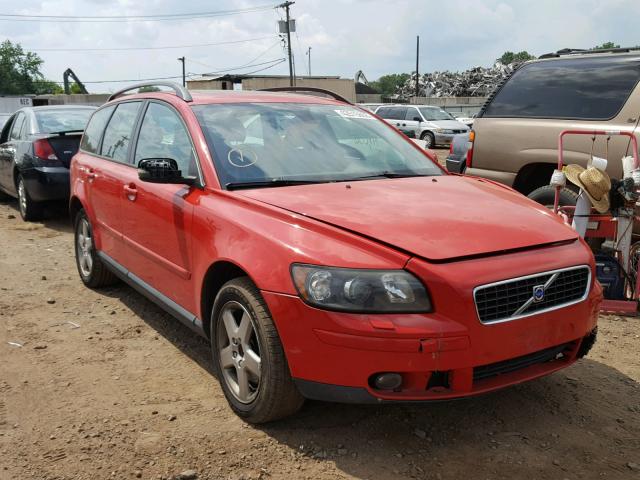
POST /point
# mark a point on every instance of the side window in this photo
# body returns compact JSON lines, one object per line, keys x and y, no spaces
{"x":398,"y":113}
{"x":91,"y":138}
{"x":17,"y":126}
{"x":412,"y":114}
{"x":117,"y":135}
{"x":585,"y":88}
{"x":383,"y":112}
{"x":163,"y":135}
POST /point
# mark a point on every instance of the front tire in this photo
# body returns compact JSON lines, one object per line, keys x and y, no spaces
{"x":93,"y":272}
{"x":248,"y":357}
{"x":30,"y":211}
{"x":546,"y":196}
{"x":429,"y":139}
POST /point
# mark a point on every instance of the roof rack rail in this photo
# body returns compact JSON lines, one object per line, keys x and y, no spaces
{"x":181,"y":91}
{"x":326,"y":92}
{"x":581,"y":51}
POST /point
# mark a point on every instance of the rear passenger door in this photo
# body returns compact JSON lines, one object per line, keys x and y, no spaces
{"x":104,"y":172}
{"x":158,"y":217}
{"x":8,"y":151}
{"x":413,"y":120}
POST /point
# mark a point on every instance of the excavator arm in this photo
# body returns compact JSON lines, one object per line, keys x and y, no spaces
{"x":65,"y":79}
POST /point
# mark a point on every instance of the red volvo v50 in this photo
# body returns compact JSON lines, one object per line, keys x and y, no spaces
{"x":323,"y":254}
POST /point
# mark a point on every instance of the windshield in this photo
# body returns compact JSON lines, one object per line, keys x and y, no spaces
{"x":434,"y":114}
{"x":258,"y":143}
{"x":63,"y":119}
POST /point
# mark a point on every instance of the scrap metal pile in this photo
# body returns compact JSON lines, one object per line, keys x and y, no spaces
{"x":475,"y":82}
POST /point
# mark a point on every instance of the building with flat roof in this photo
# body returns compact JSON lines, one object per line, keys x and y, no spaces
{"x":342,"y":86}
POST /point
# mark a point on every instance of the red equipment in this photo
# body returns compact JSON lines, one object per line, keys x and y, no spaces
{"x":607,"y":226}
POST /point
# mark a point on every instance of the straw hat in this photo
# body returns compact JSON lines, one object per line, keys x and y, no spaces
{"x":595,"y":183}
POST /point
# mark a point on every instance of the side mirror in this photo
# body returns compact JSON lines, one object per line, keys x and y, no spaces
{"x":417,"y":119}
{"x":161,"y":170}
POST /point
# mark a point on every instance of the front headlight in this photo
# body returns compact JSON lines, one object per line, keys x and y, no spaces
{"x":356,"y":290}
{"x":447,"y":131}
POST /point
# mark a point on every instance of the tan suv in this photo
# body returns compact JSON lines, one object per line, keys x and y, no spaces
{"x":515,"y":135}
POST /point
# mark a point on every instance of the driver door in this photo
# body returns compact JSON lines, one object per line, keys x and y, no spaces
{"x":158,"y":217}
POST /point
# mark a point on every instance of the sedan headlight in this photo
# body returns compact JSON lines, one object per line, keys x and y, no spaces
{"x":449,"y":132}
{"x":356,"y":290}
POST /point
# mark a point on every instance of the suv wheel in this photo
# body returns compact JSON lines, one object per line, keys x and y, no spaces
{"x":546,"y":196}
{"x":248,"y":357}
{"x":93,"y":272}
{"x":429,"y":139}
{"x":29,"y":210}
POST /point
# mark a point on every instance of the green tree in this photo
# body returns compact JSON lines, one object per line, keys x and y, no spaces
{"x":511,"y":57}
{"x":20,"y":72}
{"x":389,"y":84}
{"x":606,"y":46}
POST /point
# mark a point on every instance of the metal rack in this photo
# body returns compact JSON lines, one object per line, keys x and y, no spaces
{"x":179,"y":90}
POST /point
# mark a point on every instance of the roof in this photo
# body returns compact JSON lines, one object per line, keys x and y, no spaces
{"x":240,"y":77}
{"x":248,"y":96}
{"x":205,"y":97}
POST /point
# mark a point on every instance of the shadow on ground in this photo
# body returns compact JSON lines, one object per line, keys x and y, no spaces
{"x":554,"y":427}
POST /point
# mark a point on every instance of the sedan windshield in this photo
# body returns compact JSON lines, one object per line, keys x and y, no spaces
{"x":276,"y":144}
{"x":435,"y":114}
{"x":63,"y":119}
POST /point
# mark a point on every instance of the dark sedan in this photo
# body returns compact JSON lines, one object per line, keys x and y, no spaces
{"x":36,"y":146}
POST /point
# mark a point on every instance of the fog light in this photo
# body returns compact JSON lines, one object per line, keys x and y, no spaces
{"x":387,"y":381}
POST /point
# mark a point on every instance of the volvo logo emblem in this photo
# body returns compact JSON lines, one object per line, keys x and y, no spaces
{"x":538,"y":293}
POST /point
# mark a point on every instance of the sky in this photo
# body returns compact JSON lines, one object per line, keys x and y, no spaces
{"x":375,"y":36}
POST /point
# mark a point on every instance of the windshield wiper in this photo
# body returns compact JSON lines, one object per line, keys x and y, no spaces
{"x":387,"y":174}
{"x":276,"y":182}
{"x":66,"y":132}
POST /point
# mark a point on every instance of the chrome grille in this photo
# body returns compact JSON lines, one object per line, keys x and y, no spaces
{"x":518,"y":297}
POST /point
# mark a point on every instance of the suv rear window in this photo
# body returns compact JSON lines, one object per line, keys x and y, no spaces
{"x":582,"y":88}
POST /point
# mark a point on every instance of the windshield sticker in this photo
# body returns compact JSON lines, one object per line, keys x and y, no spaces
{"x":242,"y":158}
{"x":354,"y":114}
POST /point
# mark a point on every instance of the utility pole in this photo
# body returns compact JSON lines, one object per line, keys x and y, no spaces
{"x":417,"y":65}
{"x":184,"y":78}
{"x":286,"y":6}
{"x":309,"y":54}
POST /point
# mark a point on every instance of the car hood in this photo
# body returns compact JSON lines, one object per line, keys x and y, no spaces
{"x":449,"y":124}
{"x":437,"y":218}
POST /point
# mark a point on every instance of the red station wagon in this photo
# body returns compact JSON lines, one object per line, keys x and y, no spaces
{"x":318,"y":250}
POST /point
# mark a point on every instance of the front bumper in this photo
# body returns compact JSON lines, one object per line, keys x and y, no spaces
{"x":445,"y":138}
{"x":441,"y":355}
{"x":46,"y":183}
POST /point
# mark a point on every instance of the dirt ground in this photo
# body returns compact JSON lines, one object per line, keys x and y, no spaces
{"x":104,"y":385}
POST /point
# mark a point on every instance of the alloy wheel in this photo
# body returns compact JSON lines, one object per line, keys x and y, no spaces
{"x":22,"y":198}
{"x":84,"y":247}
{"x":239,"y":352}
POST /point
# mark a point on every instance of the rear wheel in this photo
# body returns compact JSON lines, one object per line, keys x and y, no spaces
{"x":546,"y":196}
{"x":29,"y":210}
{"x":248,"y":356}
{"x":429,"y":139}
{"x":93,"y":272}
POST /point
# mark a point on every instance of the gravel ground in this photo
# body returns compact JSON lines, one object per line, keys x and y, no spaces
{"x":104,"y":385}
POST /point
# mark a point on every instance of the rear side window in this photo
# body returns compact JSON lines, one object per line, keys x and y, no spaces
{"x":117,"y":135}
{"x":91,"y":138}
{"x":397,"y":113}
{"x":17,"y":126}
{"x":584,"y":88}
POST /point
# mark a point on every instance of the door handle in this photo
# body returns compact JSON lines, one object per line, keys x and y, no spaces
{"x":89,"y":173}
{"x":404,"y":124}
{"x":130,"y":191}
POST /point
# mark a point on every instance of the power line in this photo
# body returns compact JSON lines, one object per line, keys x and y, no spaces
{"x":146,"y":48}
{"x":241,"y":67}
{"x":190,"y":75}
{"x":130,"y":18}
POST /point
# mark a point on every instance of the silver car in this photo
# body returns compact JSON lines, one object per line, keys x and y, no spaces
{"x":431,"y":124}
